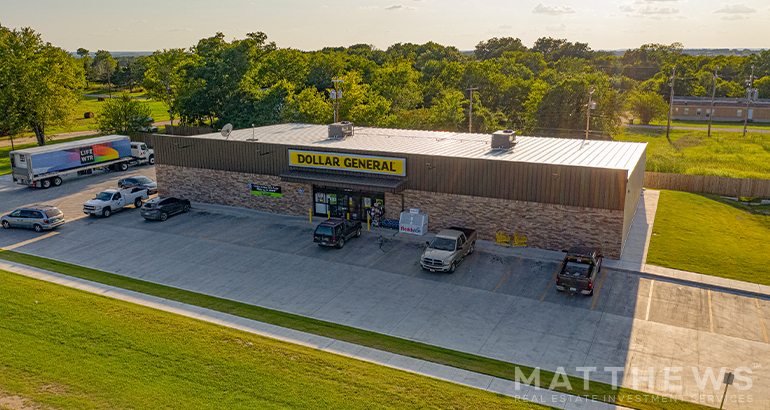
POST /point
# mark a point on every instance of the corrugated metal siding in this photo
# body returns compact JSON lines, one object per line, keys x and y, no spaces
{"x":549,"y":183}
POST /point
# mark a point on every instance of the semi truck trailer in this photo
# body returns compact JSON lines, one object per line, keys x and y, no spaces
{"x":43,"y":167}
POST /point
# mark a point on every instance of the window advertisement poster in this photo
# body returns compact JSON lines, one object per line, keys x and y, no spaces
{"x":265,"y":190}
{"x":332,"y":199}
{"x":320,"y":197}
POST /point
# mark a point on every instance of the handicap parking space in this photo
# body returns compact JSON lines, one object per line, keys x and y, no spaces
{"x":530,"y":278}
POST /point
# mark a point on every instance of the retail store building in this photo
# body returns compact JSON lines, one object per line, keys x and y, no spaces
{"x":556,"y":192}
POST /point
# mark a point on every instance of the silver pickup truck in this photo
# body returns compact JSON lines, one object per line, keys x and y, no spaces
{"x":447,"y":249}
{"x":111,"y":200}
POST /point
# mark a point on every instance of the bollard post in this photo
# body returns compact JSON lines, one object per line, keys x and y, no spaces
{"x":328,"y":214}
{"x":310,"y":212}
{"x":367,"y":222}
{"x":348,"y":216}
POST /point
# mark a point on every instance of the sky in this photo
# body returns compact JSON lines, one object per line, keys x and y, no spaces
{"x":144,"y":25}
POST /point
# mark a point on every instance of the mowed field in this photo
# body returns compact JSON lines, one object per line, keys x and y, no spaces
{"x":72,"y":350}
{"x":705,"y":234}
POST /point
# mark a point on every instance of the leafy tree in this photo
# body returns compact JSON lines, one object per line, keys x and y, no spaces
{"x":104,"y":66}
{"x":165,"y":74}
{"x":447,"y":111}
{"x":123,"y":115}
{"x":309,"y":106}
{"x":285,"y":64}
{"x":763,"y":85}
{"x":362,"y":105}
{"x":646,"y":106}
{"x":399,"y":83}
{"x":39,"y":83}
{"x":495,"y":47}
{"x":643,"y":63}
{"x":86,"y":59}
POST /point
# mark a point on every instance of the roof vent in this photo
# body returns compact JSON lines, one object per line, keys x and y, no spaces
{"x":503,"y":140}
{"x":340,"y":130}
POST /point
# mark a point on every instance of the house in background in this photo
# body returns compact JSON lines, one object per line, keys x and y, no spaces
{"x":725,"y":109}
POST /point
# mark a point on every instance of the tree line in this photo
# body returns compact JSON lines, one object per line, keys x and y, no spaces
{"x":542,"y":90}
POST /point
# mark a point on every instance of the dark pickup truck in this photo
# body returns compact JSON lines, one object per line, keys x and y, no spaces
{"x":335,"y":231}
{"x":579,"y":271}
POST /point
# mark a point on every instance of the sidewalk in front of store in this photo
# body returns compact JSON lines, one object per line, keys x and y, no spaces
{"x":467,"y":378}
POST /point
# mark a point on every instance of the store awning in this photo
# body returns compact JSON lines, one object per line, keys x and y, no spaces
{"x":367,"y":183}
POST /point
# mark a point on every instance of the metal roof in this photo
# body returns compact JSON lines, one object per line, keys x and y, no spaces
{"x":71,"y":144}
{"x":541,"y":150}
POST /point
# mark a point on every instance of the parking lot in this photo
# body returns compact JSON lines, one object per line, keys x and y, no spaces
{"x":501,"y":302}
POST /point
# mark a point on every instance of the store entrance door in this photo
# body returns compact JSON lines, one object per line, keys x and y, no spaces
{"x":343,"y":203}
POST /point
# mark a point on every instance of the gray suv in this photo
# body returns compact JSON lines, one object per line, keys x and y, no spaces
{"x":37,"y":217}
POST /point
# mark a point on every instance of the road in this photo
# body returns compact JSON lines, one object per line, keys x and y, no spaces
{"x":500,"y":303}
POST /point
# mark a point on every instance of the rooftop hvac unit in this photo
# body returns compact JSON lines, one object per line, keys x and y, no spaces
{"x":340,"y":130}
{"x":503,"y":140}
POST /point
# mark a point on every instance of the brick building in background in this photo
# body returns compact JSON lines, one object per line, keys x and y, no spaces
{"x":725,"y":109}
{"x":556,"y":192}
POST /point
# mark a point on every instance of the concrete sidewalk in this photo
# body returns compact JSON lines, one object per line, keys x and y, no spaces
{"x":409,"y":364}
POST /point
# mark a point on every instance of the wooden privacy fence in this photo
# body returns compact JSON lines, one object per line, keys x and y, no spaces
{"x":737,"y":187}
{"x":184,"y":130}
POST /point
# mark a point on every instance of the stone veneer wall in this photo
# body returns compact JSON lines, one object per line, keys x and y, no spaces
{"x":232,"y":188}
{"x":546,"y":226}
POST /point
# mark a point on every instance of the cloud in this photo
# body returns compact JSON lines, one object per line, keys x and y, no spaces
{"x":399,"y":7}
{"x":552,"y":10}
{"x":560,"y":27}
{"x":366,"y":7}
{"x":733,"y":8}
{"x":733,"y":17}
{"x":648,"y":10}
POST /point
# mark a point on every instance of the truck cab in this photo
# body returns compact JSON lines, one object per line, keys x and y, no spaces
{"x":447,"y":249}
{"x":579,"y":270}
{"x":142,"y":153}
{"x":111,"y":200}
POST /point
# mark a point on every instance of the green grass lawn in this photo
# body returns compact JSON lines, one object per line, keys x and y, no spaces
{"x":725,"y":154}
{"x":78,"y":122}
{"x":103,"y":90}
{"x":361,"y":337}
{"x":73,"y":350}
{"x":706,"y":234}
{"x":5,"y":160}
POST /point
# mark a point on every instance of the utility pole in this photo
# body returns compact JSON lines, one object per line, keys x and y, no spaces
{"x":713,"y":93}
{"x":337,"y":96}
{"x":168,"y":95}
{"x":588,"y":110}
{"x":671,"y":105}
{"x":749,"y":96}
{"x":470,"y":111}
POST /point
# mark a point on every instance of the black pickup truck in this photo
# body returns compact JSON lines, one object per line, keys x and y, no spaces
{"x":579,"y":271}
{"x":335,"y":231}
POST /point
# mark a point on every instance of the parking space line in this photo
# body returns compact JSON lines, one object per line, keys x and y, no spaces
{"x":596,"y":293}
{"x":764,"y":331}
{"x":506,"y":273}
{"x":551,"y":281}
{"x":29,"y":241}
{"x":649,"y":301}
{"x":311,"y":243}
{"x":711,"y":314}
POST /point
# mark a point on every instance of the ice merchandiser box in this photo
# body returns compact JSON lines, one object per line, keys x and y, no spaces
{"x":413,"y":222}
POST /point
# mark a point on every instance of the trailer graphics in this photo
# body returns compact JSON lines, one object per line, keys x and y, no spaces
{"x":73,"y":157}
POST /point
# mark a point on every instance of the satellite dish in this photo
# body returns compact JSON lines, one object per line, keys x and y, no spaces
{"x":226,"y":130}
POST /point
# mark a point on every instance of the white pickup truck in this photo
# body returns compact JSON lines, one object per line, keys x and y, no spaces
{"x":111,"y":200}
